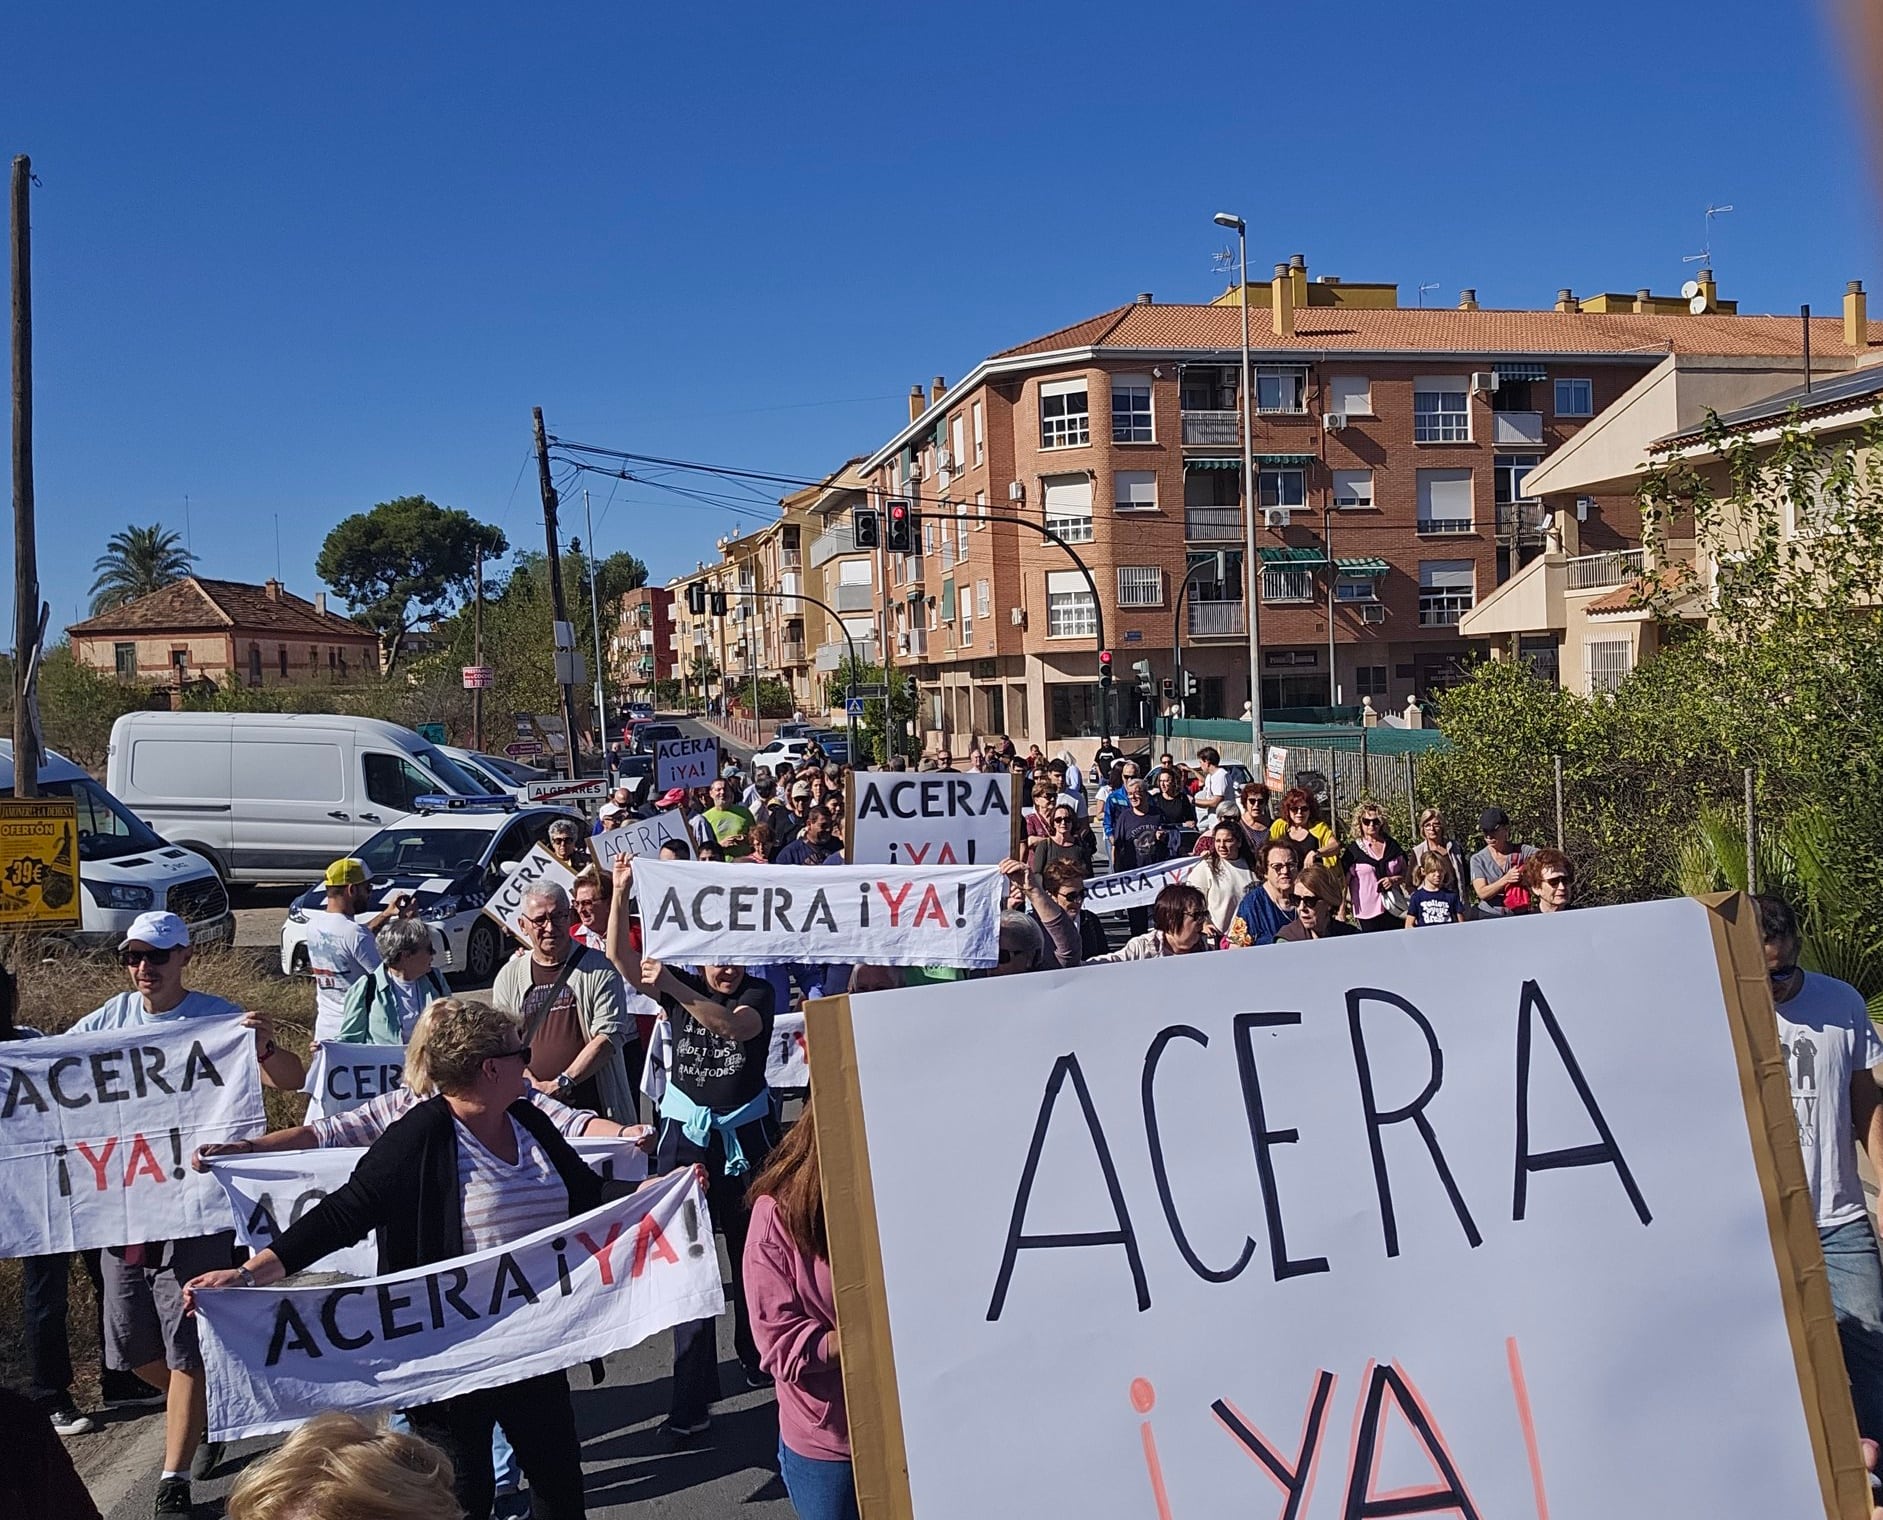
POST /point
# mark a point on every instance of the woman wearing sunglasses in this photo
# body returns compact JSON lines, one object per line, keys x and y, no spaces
{"x":1317,"y":907}
{"x":469,"y":1170}
{"x":1302,"y":826}
{"x":1180,"y":925}
{"x":1061,"y":842}
{"x":1551,"y":880}
{"x":1375,"y":868}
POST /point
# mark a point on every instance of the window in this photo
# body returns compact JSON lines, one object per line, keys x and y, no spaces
{"x":124,"y":658}
{"x":1511,"y":470}
{"x":980,"y":433}
{"x":1444,"y":501}
{"x":1607,"y":661}
{"x":980,"y":506}
{"x":1131,"y":409}
{"x":983,"y":599}
{"x":961,"y":535}
{"x":393,"y":782}
{"x":1441,"y":410}
{"x":1074,"y":711}
{"x":1140,"y":586}
{"x":1281,"y":488}
{"x":957,"y":440}
{"x":1070,"y":613}
{"x":967,"y":624}
{"x":1353,"y":489}
{"x":1356,"y":588}
{"x":281,"y":659}
{"x":1208,"y":388}
{"x":1069,"y":507}
{"x":313,"y":657}
{"x":1369,"y":680}
{"x":1350,"y":394}
{"x":1447,"y":590}
{"x":1134,"y":490}
{"x":1221,"y":581}
{"x":1575,"y":398}
{"x":928,"y":535}
{"x":1280,"y":388}
{"x":254,"y":664}
{"x":1064,"y":420}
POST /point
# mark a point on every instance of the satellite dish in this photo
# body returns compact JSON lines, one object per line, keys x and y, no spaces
{"x":1690,"y":290}
{"x":1697,"y":306}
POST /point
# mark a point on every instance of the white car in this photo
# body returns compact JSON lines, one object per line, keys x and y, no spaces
{"x":451,"y":860}
{"x":782,"y":751}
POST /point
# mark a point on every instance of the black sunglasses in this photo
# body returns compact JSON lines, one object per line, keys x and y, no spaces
{"x":139,"y":957}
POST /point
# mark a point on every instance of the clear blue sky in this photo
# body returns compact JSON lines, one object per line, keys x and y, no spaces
{"x":291,"y":262}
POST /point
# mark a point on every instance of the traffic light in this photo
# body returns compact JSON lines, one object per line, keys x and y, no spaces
{"x":1104,"y":668}
{"x":1142,"y":669}
{"x":696,"y":599}
{"x":867,"y":526}
{"x":901,"y":534}
{"x":1189,"y":685}
{"x":719,"y":603}
{"x":1170,"y":688}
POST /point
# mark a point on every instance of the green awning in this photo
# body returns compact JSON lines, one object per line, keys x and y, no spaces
{"x":1520,"y":372}
{"x":1285,"y":461}
{"x":1367,"y":566}
{"x":1212,"y":464}
{"x":1293,"y":556}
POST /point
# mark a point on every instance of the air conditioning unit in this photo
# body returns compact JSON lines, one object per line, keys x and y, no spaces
{"x":1372,"y":612}
{"x":1333,"y":422}
{"x":1016,"y":491}
{"x":1483,"y":381}
{"x":1276,"y":517}
{"x":944,"y":459}
{"x":1018,"y":617}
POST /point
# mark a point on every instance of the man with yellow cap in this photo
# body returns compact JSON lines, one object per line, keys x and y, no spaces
{"x":340,"y":948}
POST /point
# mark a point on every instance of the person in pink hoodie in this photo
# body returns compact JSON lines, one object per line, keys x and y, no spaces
{"x":794,"y":1321}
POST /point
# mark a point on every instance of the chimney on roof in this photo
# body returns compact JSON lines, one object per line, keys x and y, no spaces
{"x":1144,"y":298}
{"x":1566,"y":300}
{"x":1298,"y":278}
{"x":1281,"y":305}
{"x":1710,"y":290}
{"x":273,"y":588}
{"x":320,"y":602}
{"x":917,"y":403}
{"x":1856,"y":316}
{"x":1467,"y":300}
{"x":935,"y":390}
{"x":1644,"y":300}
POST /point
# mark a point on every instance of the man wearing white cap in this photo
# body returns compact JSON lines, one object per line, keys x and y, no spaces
{"x":146,"y":1330}
{"x":340,"y":949}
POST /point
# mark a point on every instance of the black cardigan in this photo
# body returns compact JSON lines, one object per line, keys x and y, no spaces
{"x":406,"y":1187}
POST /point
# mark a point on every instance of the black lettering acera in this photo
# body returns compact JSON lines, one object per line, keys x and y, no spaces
{"x":74,"y":1082}
{"x":935,"y":797}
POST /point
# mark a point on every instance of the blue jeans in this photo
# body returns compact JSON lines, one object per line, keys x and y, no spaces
{"x":819,"y":1489}
{"x":1850,"y":1256}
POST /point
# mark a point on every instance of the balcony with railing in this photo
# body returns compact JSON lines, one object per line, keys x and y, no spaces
{"x":1599,"y":572}
{"x":1524,"y":428}
{"x":793,"y":558}
{"x":849,"y":597}
{"x":840,"y":539}
{"x":791,"y":651}
{"x":1212,"y":525}
{"x":1287,"y":584}
{"x":833,"y":653}
{"x":912,"y":643}
{"x":1212,"y":429}
{"x":1215,"y":619}
{"x":1524,"y":521}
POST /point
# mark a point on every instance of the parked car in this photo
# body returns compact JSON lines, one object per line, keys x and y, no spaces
{"x":451,"y":860}
{"x":640,"y":711}
{"x":483,"y":769}
{"x":516,"y":770}
{"x":636,"y":773}
{"x":795,"y":731}
{"x":782,"y":751}
{"x":124,"y":868}
{"x":273,"y":796}
{"x":647,"y":735}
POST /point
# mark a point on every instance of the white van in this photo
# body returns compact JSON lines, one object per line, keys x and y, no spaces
{"x":123,"y":868}
{"x":273,"y":796}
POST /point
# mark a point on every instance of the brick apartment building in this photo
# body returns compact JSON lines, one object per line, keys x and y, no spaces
{"x":643,"y":642}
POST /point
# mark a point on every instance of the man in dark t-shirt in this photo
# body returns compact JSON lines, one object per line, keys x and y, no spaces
{"x":716,"y":1113}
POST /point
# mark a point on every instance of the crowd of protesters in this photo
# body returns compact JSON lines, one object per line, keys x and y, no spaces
{"x":472,"y":1152}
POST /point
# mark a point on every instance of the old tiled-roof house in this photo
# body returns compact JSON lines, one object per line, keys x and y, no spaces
{"x":228,"y":632}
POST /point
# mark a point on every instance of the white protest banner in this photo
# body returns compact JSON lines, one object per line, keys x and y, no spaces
{"x":932,"y":818}
{"x":567,"y":1294}
{"x":506,"y":903}
{"x":685,"y":762}
{"x":267,"y":1193}
{"x":1417,"y":1212}
{"x":340,"y":1077}
{"x":1136,"y":888}
{"x":641,"y":836}
{"x":787,"y":1062}
{"x":96,"y":1132}
{"x":735,"y":914}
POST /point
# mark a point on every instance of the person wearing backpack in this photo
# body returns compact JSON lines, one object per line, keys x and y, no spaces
{"x":382,"y":1007}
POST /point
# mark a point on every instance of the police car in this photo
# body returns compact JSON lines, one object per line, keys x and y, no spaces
{"x":450,"y":855}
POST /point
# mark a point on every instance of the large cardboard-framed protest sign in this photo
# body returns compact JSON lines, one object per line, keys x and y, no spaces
{"x":97,"y":1130}
{"x":739,"y":914}
{"x":641,"y":836}
{"x":506,"y":903}
{"x":269,"y":1191}
{"x":1508,"y":1221}
{"x":685,"y":762}
{"x":933,"y":818}
{"x":566,"y":1294}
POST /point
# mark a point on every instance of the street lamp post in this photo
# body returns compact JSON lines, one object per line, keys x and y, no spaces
{"x":1251,"y":564}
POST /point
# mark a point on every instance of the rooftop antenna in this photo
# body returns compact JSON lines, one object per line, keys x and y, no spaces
{"x":1433,"y":285}
{"x":1705,"y":255}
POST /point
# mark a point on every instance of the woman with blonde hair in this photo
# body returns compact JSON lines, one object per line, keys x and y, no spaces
{"x":338,"y":1467}
{"x":1375,"y":868}
{"x":1317,"y":899}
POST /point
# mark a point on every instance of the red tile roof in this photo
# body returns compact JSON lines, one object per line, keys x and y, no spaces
{"x":1643,"y":592}
{"x":197,"y":604}
{"x":1139,"y":326}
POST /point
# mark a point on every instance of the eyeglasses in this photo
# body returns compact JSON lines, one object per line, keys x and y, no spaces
{"x":1071,"y":898}
{"x":1300,"y":812}
{"x":1193,"y":917}
{"x":139,"y":957}
{"x":1556,"y":881}
{"x":587,"y":905}
{"x":1369,"y":823}
{"x":521,"y":1053}
{"x":1281,"y":868}
{"x":1065,"y":818}
{"x":558,"y":916}
{"x":1307,"y":900}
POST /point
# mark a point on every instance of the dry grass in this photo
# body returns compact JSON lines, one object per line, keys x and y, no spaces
{"x":59,"y":989}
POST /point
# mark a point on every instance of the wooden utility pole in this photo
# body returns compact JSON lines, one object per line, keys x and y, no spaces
{"x":565,"y":657}
{"x":26,"y":622}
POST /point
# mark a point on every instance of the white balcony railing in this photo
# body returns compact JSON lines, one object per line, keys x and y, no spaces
{"x":832,"y":542}
{"x":1594,"y":572}
{"x":833,"y":654}
{"x":1209,"y":525}
{"x":850,"y":597}
{"x":1216,"y":619}
{"x":1517,"y":428}
{"x":1212,"y":428}
{"x":1287,"y":585}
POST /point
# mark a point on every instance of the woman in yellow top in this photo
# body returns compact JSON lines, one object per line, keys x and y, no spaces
{"x":1302,"y":826}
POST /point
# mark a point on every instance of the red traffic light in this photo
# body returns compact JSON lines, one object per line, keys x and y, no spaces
{"x":1104,"y":666}
{"x":1104,"y":657}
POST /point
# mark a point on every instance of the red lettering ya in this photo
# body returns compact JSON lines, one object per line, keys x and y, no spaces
{"x":929,"y":909}
{"x":98,"y":1161}
{"x":895,"y":901}
{"x":648,"y":1240}
{"x":600,"y":1252}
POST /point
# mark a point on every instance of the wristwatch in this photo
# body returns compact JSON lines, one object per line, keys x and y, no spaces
{"x":565,"y":1084}
{"x":248,"y":1277}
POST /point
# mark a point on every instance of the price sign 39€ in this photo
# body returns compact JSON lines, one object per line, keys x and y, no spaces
{"x":39,"y":863}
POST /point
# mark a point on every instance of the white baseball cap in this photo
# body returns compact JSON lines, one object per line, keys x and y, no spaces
{"x":161,"y":931}
{"x":610,"y":809}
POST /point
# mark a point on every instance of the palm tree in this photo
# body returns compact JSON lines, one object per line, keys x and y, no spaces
{"x":137,"y":562}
